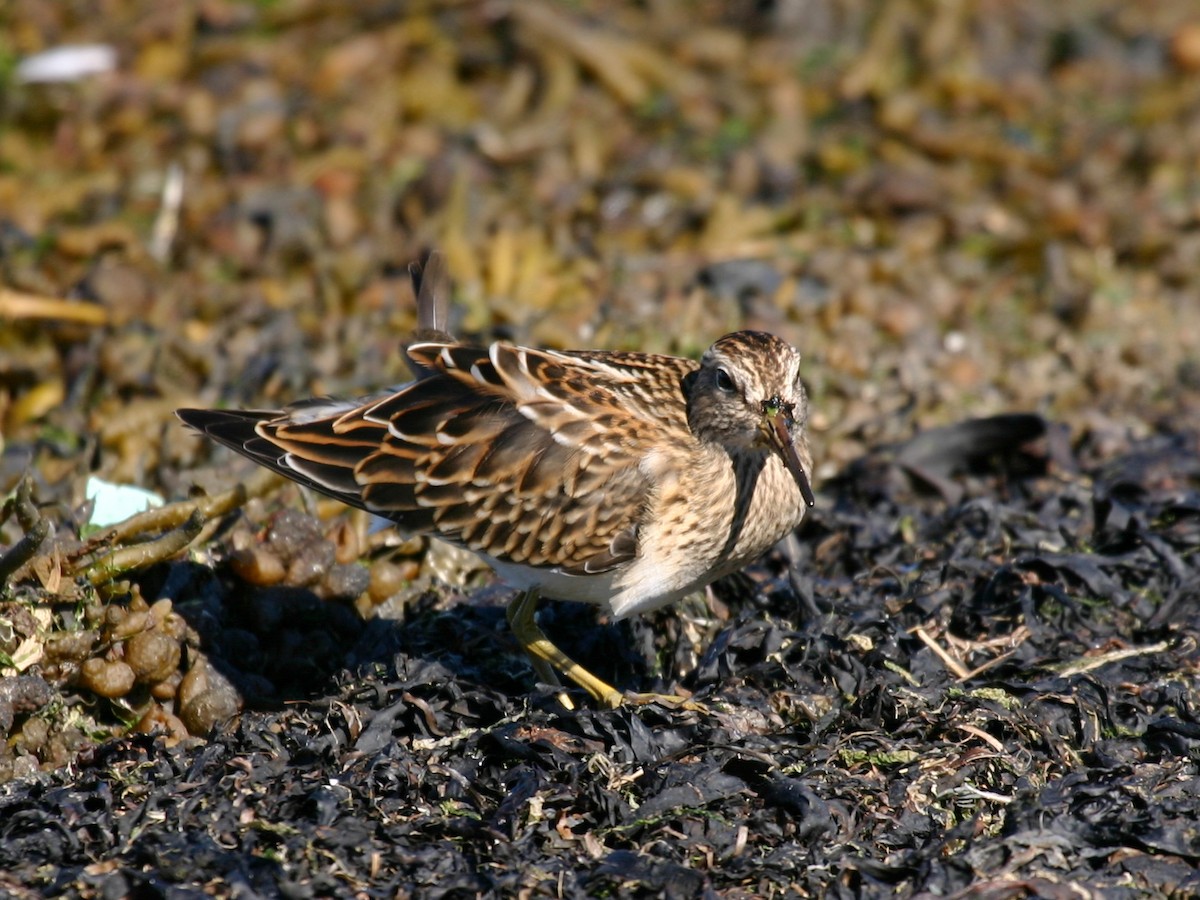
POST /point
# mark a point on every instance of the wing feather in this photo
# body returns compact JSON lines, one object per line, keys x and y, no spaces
{"x":529,"y":456}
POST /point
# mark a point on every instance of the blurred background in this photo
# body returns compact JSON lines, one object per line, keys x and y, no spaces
{"x":953,"y":208}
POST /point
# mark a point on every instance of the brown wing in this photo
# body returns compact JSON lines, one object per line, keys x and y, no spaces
{"x":328,"y":467}
{"x":527,"y":456}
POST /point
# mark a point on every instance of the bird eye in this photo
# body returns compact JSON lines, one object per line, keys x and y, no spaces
{"x":725,"y":381}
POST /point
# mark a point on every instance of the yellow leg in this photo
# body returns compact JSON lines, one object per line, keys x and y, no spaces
{"x":546,"y":657}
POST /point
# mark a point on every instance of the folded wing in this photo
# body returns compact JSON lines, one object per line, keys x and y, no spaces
{"x":528,"y":456}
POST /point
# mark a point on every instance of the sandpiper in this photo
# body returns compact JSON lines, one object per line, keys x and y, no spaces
{"x":627,"y":480}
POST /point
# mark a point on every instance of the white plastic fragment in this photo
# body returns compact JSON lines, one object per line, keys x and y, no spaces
{"x":117,"y":502}
{"x":70,"y":62}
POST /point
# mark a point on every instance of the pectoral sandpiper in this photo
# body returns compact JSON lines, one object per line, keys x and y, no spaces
{"x":627,"y":480}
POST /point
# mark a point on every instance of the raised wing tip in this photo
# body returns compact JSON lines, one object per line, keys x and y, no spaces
{"x":432,"y":289}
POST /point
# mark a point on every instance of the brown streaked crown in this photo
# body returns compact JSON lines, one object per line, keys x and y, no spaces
{"x":737,"y":375}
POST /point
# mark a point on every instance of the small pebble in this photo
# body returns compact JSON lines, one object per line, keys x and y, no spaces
{"x":152,"y":655}
{"x":206,"y":698}
{"x":106,"y":677}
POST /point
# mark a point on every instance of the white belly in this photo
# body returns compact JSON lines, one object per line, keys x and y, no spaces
{"x":557,"y":585}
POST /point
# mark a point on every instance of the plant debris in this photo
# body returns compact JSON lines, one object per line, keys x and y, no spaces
{"x":972,"y":673}
{"x":927,"y":696}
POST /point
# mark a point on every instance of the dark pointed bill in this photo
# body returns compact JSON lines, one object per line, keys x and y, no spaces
{"x":781,"y":433}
